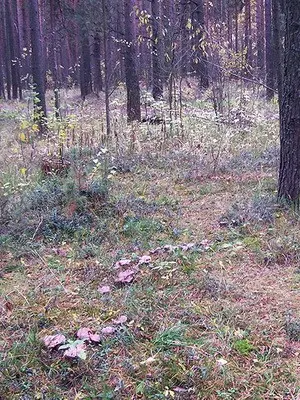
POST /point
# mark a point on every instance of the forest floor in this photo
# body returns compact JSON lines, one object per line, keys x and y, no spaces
{"x":208,"y":304}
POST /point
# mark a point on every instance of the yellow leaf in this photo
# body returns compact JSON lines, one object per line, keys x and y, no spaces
{"x":189,"y":24}
{"x":23,"y":171}
{"x":35,"y":128}
{"x":24,"y":124}
{"x":22,"y":137}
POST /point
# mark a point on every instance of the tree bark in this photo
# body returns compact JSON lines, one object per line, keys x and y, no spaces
{"x":132,"y":79}
{"x":106,"y":69}
{"x":97,"y":73}
{"x":85,"y":65}
{"x":38,"y":70}
{"x":269,"y":50}
{"x":289,"y":173}
{"x":200,"y":55}
{"x":157,"y":81}
{"x":248,"y":37}
{"x":260,"y":34}
{"x":277,"y":47}
{"x":2,"y":54}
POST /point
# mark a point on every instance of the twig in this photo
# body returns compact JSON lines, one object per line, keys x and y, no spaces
{"x":37,"y":228}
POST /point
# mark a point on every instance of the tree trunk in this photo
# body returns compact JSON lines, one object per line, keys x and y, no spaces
{"x":157,"y":82}
{"x":38,"y":70}
{"x":2,"y":54}
{"x":24,"y":34}
{"x":85,"y":65}
{"x":278,"y":48}
{"x":289,"y":173}
{"x":52,"y":55}
{"x":106,"y":69}
{"x":199,"y":56}
{"x":184,"y":39}
{"x":248,"y":37}
{"x":269,"y":50}
{"x":260,"y":33}
{"x":132,"y":79}
{"x":11,"y":46}
{"x":97,"y":73}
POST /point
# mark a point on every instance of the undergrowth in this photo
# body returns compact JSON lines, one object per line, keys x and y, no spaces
{"x":188,"y":214}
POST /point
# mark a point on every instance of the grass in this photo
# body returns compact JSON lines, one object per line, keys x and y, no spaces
{"x":218,"y":321}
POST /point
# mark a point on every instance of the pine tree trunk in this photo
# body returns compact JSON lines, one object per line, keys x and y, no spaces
{"x":85,"y":65}
{"x":289,"y":173}
{"x":38,"y":70}
{"x":132,"y":79}
{"x":184,"y":39}
{"x":157,"y":82}
{"x":97,"y":73}
{"x":52,"y":55}
{"x":278,"y":48}
{"x":7,"y":51}
{"x":11,"y":45}
{"x":269,"y":50}
{"x":248,"y":37}
{"x":260,"y":33}
{"x":24,"y":33}
{"x":199,"y":56}
{"x":2,"y":54}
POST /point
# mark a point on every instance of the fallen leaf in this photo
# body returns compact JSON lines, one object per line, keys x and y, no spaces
{"x":109,"y":330}
{"x":104,"y":289}
{"x":205,"y":243}
{"x":8,"y":308}
{"x":121,"y":320}
{"x":87,"y":334}
{"x":149,"y":360}
{"x":52,"y":341}
{"x":126,"y":276}
{"x":221,"y":362}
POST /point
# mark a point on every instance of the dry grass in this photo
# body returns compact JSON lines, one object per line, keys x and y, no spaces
{"x":206,"y":324}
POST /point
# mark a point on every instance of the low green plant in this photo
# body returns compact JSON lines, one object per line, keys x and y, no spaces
{"x":186,"y":259}
{"x":141,"y":228}
{"x":228,"y":394}
{"x":243,"y":347}
{"x":171,"y":337}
